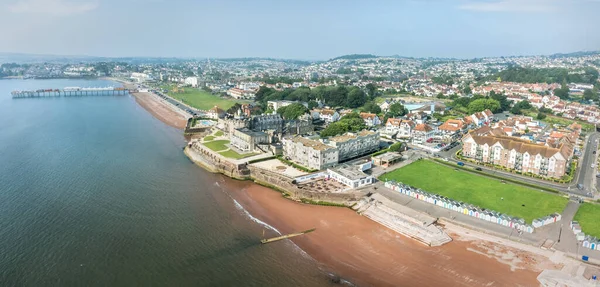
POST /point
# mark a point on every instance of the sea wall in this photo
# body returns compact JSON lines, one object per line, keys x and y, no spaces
{"x":216,"y":163}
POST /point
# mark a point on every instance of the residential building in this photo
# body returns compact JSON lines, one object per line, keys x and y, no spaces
{"x":215,"y":113}
{"x":327,"y":115}
{"x":267,"y":122}
{"x":313,"y":154}
{"x":301,"y":126}
{"x":320,"y":154}
{"x":275,"y":105}
{"x":518,"y":154}
{"x":451,"y":127}
{"x":482,"y":118}
{"x":191,"y":81}
{"x":421,"y":133}
{"x":371,"y":120}
{"x":246,"y":140}
{"x":241,"y":94}
{"x":353,"y":145}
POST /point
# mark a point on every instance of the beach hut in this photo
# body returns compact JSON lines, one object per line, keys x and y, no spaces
{"x":573,"y":223}
{"x":537,"y":223}
{"x":580,"y":236}
{"x":529,"y":229}
{"x":593,"y":245}
{"x":558,"y":216}
{"x":488,"y":217}
{"x":586,"y":242}
{"x":471,"y":212}
{"x":576,"y":229}
{"x":504,"y":220}
{"x":477,"y":213}
{"x":465,"y":210}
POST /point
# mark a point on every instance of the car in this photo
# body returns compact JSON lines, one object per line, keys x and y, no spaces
{"x":446,"y":160}
{"x":579,"y":186}
{"x":594,"y":152}
{"x":478,"y":169}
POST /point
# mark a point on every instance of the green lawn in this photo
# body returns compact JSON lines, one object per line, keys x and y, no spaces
{"x":219,"y":134}
{"x":588,"y":216}
{"x":217,"y":145}
{"x":201,"y":99}
{"x":478,"y":190}
{"x":209,"y":138}
{"x":235,"y":155}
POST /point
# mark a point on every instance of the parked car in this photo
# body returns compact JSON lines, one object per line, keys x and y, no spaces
{"x":460,"y":163}
{"x":478,"y":169}
{"x":579,"y":186}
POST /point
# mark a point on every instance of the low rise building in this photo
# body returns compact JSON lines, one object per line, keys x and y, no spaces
{"x":327,"y":115}
{"x":451,"y":127}
{"x":246,"y":140}
{"x":371,"y":120}
{"x":350,"y":175}
{"x":422,"y":133}
{"x":215,"y":113}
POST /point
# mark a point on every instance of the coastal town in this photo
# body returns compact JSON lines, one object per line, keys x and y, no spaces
{"x":502,"y":146}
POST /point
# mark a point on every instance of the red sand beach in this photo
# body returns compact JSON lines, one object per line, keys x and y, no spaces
{"x":369,"y":254}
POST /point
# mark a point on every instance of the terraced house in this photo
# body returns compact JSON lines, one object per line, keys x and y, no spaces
{"x":518,"y":154}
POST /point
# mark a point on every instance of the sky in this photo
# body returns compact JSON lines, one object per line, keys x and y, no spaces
{"x":300,"y":29}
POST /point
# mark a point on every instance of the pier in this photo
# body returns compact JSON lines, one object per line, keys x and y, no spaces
{"x":265,"y":241}
{"x":71,"y":92}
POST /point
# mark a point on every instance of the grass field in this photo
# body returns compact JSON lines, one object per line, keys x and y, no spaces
{"x":478,"y":190}
{"x":588,"y":216}
{"x":209,"y":138}
{"x":201,"y":99}
{"x":217,"y":145}
{"x":219,"y":134}
{"x":235,"y":155}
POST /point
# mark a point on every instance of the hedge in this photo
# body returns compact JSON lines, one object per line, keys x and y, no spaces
{"x":323,"y":203}
{"x":261,"y":159}
{"x":295,"y":165}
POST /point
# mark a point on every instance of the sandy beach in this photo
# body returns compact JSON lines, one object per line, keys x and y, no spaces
{"x":368,"y":254}
{"x":159,"y":108}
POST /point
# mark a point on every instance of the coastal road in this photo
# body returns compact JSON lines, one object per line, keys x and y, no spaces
{"x":587,"y":173}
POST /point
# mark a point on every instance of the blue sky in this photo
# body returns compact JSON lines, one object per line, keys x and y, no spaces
{"x":306,"y":29}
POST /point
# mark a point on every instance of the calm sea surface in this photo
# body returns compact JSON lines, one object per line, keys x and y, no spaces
{"x":96,"y":192}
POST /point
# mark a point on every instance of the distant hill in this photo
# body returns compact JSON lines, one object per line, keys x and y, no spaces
{"x":354,"y":57}
{"x":575,"y":54}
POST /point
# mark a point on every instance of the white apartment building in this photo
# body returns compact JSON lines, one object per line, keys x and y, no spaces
{"x":309,"y":153}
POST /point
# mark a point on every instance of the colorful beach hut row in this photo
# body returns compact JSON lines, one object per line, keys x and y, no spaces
{"x":552,"y":218}
{"x":469,"y":209}
{"x":586,"y":241}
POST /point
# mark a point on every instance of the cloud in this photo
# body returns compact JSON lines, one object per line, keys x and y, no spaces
{"x":511,"y":6}
{"x":52,"y":7}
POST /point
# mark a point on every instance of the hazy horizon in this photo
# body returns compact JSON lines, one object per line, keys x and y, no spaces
{"x":303,"y":30}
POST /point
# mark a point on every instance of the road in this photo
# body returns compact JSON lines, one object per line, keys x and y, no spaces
{"x":587,"y":173}
{"x":584,"y":175}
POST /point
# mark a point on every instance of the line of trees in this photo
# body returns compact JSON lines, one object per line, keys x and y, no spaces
{"x":348,"y":123}
{"x":335,"y":96}
{"x":547,"y":75}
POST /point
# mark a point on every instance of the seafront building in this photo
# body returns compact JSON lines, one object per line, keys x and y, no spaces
{"x":323,"y":153}
{"x":519,"y":154}
{"x":246,"y":140}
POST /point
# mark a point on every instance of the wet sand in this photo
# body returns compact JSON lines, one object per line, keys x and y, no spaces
{"x":368,"y":254}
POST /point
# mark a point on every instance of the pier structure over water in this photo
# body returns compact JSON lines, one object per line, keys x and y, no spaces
{"x":72,"y":92}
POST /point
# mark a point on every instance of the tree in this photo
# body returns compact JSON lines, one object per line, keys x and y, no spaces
{"x":502,"y":99}
{"x":356,"y":98}
{"x":371,"y":89}
{"x":467,"y":90}
{"x":262,"y":93}
{"x":397,"y":110}
{"x":589,"y":95}
{"x":292,"y":111}
{"x":348,"y":123}
{"x":440,"y":96}
{"x":480,"y":105}
{"x":395,"y":147}
{"x":371,"y":107}
{"x":234,"y":108}
{"x":518,"y":107}
{"x":312,"y":105}
{"x":563,"y":92}
{"x":541,"y":116}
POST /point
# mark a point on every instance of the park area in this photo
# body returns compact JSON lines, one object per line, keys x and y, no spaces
{"x":484,"y":192}
{"x":588,"y":216}
{"x":221,"y":147}
{"x":200,"y":99}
